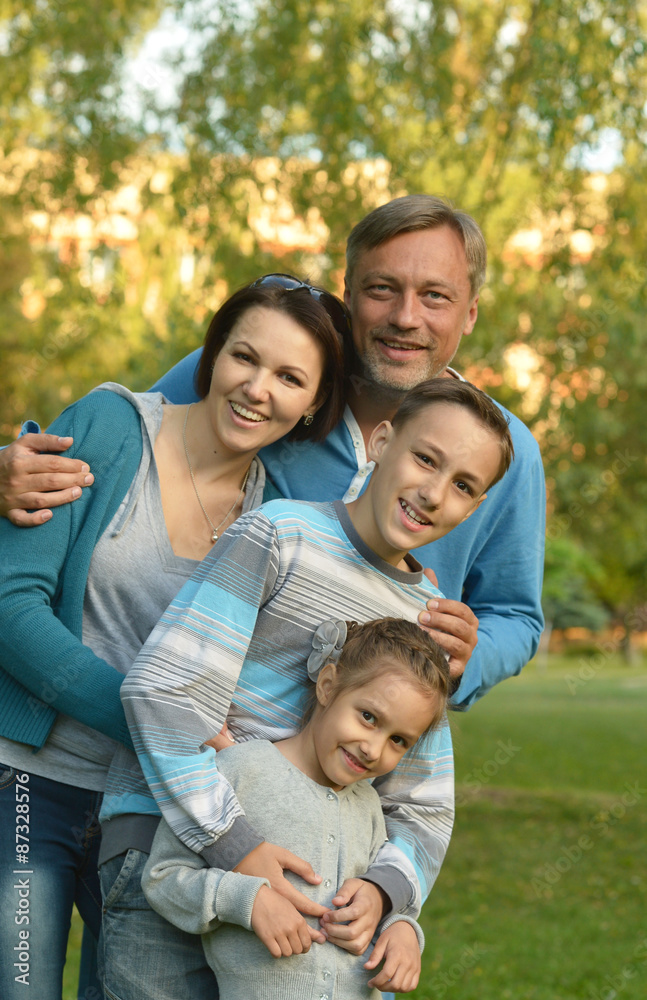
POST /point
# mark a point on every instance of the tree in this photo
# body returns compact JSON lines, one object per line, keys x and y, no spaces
{"x":304,"y":116}
{"x":570,"y":576}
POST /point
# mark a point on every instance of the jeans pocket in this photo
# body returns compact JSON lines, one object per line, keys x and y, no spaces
{"x":121,"y":879}
{"x":7,"y":775}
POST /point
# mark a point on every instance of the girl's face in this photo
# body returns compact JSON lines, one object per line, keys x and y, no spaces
{"x":364,"y":732}
{"x":265,"y":378}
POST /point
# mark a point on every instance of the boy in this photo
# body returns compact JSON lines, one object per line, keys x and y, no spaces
{"x":234,"y":642}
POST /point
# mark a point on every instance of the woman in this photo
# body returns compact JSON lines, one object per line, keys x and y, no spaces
{"x":78,"y":601}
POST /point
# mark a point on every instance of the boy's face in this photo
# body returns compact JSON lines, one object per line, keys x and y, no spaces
{"x":430,"y":475}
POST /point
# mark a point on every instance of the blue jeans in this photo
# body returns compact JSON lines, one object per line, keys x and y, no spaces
{"x":54,"y":828}
{"x":142,"y":955}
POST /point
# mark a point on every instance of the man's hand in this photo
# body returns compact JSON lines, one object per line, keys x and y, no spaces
{"x":454,"y":626}
{"x":31,"y":481}
{"x":280,"y":926}
{"x":352,"y":927}
{"x":269,"y":861}
{"x":398,"y":946}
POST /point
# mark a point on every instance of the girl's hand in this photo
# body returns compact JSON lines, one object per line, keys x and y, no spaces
{"x":362,"y":907}
{"x":269,"y":861}
{"x":280,"y":926}
{"x":398,"y":946}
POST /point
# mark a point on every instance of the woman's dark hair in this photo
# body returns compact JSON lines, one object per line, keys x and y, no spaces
{"x":308,"y":312}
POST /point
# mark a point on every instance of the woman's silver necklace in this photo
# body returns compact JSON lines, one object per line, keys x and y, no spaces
{"x":214,"y":529}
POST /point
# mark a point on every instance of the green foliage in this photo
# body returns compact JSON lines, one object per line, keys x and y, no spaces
{"x":60,"y":69}
{"x":568,"y":599}
{"x":300,"y":115}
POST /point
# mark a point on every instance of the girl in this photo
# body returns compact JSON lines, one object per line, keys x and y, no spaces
{"x":78,"y":600}
{"x":378,"y":691}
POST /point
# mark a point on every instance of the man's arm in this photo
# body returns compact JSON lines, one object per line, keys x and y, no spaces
{"x":178,"y":385}
{"x":34,"y":478}
{"x":503,"y":587}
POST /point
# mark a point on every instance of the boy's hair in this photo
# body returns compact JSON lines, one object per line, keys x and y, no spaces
{"x":413,"y":213}
{"x":401,"y":641}
{"x":450,"y":390}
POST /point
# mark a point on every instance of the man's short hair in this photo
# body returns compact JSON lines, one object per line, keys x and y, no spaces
{"x":459,"y":393}
{"x":410,"y":214}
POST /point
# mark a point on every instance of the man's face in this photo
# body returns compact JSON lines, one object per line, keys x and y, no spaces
{"x":410,"y":304}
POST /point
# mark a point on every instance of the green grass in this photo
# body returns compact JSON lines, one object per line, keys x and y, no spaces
{"x":543,"y":892}
{"x":71,"y":969}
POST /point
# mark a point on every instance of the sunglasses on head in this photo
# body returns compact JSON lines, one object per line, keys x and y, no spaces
{"x":334,"y":307}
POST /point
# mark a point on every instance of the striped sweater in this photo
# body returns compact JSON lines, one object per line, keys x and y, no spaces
{"x":233,"y":645}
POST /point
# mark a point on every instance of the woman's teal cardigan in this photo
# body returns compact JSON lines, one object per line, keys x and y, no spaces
{"x":46,"y":669}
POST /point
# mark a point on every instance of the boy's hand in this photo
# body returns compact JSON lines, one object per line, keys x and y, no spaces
{"x":27,"y":478}
{"x":352,"y":927}
{"x":269,"y":861}
{"x":454,"y":626}
{"x":398,"y":946}
{"x":280,"y":926}
{"x":223,"y":740}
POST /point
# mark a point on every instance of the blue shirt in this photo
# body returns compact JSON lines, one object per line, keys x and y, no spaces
{"x":493,"y":561}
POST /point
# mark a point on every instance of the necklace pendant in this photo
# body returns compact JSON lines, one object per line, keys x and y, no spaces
{"x":214,"y":537}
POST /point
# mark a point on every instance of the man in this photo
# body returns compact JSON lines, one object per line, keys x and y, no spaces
{"x":414,"y":270}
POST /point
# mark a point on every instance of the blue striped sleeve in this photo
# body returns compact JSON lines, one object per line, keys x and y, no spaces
{"x":418,"y":803}
{"x":178,"y":692}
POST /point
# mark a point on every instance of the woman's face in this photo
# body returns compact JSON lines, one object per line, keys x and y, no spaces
{"x":265,"y":378}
